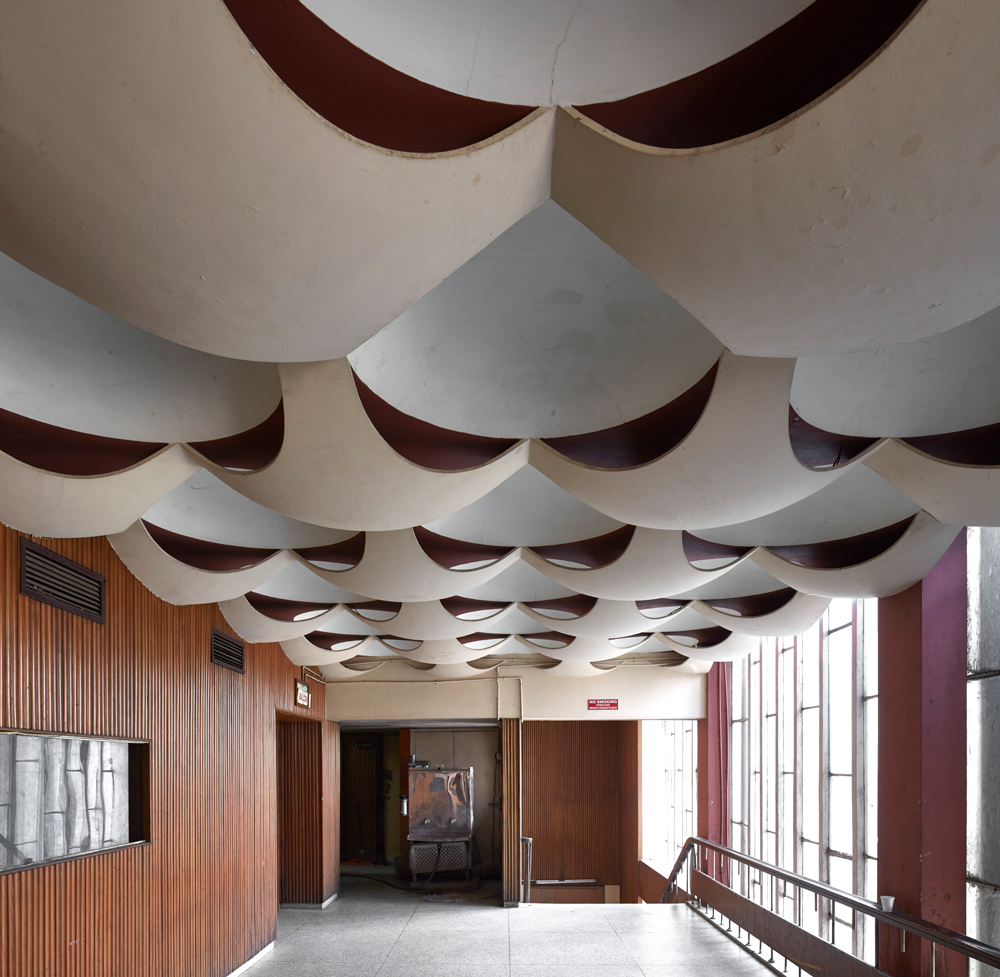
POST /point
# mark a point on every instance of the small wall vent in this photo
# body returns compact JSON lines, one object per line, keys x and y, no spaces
{"x":52,"y":579}
{"x":227,"y":651}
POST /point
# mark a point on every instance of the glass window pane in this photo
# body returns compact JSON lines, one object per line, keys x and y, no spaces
{"x":770,"y":782}
{"x":736,"y":788}
{"x":787,"y":856}
{"x":842,"y":877}
{"x":810,"y":869}
{"x":809,"y":665}
{"x":737,"y":688}
{"x":769,"y":658}
{"x":841,"y":612}
{"x":809,"y":774}
{"x":842,"y":815}
{"x":839,"y":653}
{"x":870,"y":643}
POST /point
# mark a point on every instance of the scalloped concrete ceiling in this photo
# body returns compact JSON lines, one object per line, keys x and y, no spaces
{"x":545,"y":332}
{"x":388,"y":371}
{"x":562,"y":52}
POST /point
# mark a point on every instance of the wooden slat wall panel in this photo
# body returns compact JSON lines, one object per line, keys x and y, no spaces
{"x":569,"y":799}
{"x":510,"y":799}
{"x":580,"y":801}
{"x":630,"y":809}
{"x":404,"y":788}
{"x":202,"y":897}
{"x":330,"y":787}
{"x":300,"y":821}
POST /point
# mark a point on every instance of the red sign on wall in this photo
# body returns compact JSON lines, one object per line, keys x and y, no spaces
{"x":602,"y":704}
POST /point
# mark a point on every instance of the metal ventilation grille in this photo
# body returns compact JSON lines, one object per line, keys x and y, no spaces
{"x":53,"y":579}
{"x":227,"y":651}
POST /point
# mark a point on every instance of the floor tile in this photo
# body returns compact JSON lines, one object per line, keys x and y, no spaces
{"x":567,"y":949}
{"x":375,"y":931}
{"x":575,"y":970}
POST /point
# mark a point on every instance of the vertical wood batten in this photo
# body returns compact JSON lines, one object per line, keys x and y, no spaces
{"x":510,"y":792}
{"x":202,"y":896}
{"x":580,"y":801}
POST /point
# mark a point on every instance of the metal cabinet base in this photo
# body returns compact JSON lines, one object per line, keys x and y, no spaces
{"x":456,"y":856}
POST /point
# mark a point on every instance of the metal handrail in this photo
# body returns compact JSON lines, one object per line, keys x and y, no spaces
{"x":939,"y":935}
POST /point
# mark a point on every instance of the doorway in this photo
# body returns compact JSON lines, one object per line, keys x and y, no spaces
{"x":375,"y":771}
{"x":362,"y":798}
{"x":307,"y":779}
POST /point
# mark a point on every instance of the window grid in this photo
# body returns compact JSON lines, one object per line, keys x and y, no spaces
{"x":669,"y":789}
{"x":804,"y":777}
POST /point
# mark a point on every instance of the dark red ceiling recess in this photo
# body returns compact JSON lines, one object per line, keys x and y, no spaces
{"x":755,"y":604}
{"x":977,"y":446}
{"x":427,"y":444}
{"x":657,"y":603}
{"x":468,"y":605}
{"x":816,"y":448}
{"x":644,"y":439}
{"x":386,"y":606}
{"x":348,"y":551}
{"x":598,"y":551}
{"x":249,"y":450}
{"x":448,"y":553}
{"x":468,"y":639}
{"x":576,"y":604}
{"x":697,"y":549}
{"x":65,"y":452}
{"x":762,"y":84}
{"x":704,"y":637}
{"x":563,"y":639}
{"x":360,"y":94}
{"x":200,"y":553}
{"x":283,"y":610}
{"x":848,"y":552}
{"x":324,"y":639}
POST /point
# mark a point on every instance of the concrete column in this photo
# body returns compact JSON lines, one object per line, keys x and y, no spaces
{"x":922,"y":760}
{"x":983,"y":910}
{"x":714,"y":764}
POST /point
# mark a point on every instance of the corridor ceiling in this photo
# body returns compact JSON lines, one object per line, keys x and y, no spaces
{"x":569,"y":331}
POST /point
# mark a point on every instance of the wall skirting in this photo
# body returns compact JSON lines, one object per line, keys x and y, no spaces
{"x":246,"y":966}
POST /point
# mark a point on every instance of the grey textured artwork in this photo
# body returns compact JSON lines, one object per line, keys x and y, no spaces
{"x":60,"y":796}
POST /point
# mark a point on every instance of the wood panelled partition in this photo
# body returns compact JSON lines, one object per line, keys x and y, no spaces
{"x":510,"y":793}
{"x":308,"y":810}
{"x":201,"y":898}
{"x":404,"y":788}
{"x":580,"y":801}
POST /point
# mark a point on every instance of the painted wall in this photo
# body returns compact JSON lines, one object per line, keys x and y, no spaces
{"x":202,"y":896}
{"x":476,"y":748}
{"x":395,"y":690}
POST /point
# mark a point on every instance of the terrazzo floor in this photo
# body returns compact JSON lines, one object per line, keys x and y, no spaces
{"x":372,"y":930}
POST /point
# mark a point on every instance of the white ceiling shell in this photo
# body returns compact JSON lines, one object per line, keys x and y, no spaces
{"x":65,"y":362}
{"x":553,"y":52}
{"x":546,"y":332}
{"x":506,"y":317}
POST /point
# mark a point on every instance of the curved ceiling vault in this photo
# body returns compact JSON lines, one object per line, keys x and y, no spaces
{"x":522,"y":331}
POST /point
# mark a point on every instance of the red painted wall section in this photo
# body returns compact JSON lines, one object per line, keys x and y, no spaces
{"x":922,"y":743}
{"x":714,"y":765}
{"x":943,"y":825}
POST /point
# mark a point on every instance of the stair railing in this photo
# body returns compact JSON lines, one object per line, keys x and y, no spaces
{"x":708,"y":865}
